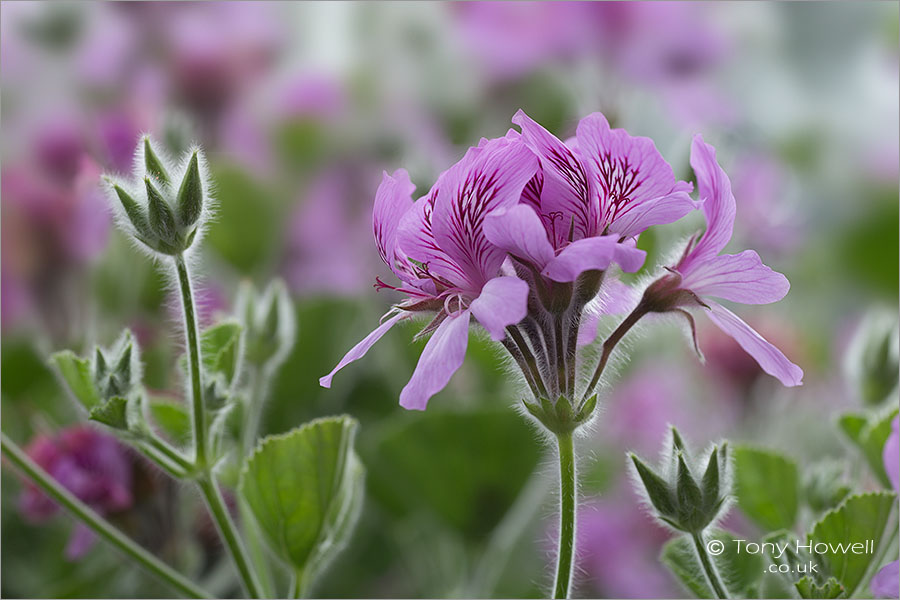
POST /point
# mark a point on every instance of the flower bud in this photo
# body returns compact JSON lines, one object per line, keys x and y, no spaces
{"x":269,"y":323}
{"x":167,"y":222}
{"x":872,"y":359}
{"x":678,"y":498}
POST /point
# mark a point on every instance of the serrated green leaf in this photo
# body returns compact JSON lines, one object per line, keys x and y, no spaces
{"x":172,"y":419}
{"x":739,"y":571}
{"x":113,"y":413}
{"x":304,"y":489}
{"x":808,"y":588}
{"x":869,"y":434}
{"x":767,"y":487}
{"x":76,"y":372}
{"x":860,"y":519}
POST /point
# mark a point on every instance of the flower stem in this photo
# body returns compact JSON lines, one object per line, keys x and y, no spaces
{"x":614,"y":338}
{"x":711,"y":575}
{"x":98,"y":524}
{"x":228,"y":533}
{"x":206,"y":480}
{"x":297,"y":585}
{"x":198,"y":419}
{"x":567,"y":492}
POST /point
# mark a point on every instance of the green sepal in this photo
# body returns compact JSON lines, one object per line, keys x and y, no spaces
{"x":134,"y":213}
{"x":808,"y":588}
{"x":113,"y":413}
{"x":77,"y":374}
{"x":153,"y":164}
{"x":162,"y":219}
{"x":656,"y":487}
{"x":190,"y":195}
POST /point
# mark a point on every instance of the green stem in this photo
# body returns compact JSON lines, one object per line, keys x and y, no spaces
{"x":296,"y":586}
{"x":567,"y":502}
{"x":97,"y":523}
{"x":614,"y":338}
{"x":170,"y":453}
{"x":198,"y":419}
{"x":228,"y":533}
{"x":711,"y":575}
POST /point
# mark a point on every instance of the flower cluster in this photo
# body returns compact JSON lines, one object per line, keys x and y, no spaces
{"x":526,"y":230}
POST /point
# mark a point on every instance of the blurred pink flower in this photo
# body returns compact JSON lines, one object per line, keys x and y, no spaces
{"x":91,"y":465}
{"x":886,"y":583}
{"x":312,"y":96}
{"x":615,"y":542}
{"x":329,"y":245}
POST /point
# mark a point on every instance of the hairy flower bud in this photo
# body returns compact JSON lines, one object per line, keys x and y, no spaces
{"x":166,"y":222}
{"x":678,"y":498}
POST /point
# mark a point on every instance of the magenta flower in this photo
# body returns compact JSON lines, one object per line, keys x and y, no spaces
{"x":91,"y":465}
{"x":703,"y":274}
{"x":438,"y":250}
{"x":589,"y":202}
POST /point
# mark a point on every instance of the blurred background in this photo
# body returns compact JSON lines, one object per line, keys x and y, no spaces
{"x":300,"y":107}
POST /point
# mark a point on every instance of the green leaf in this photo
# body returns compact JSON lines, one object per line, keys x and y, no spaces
{"x":869,"y":434}
{"x":808,"y":588}
{"x":114,"y":413}
{"x":859,"y":520}
{"x":467,"y":468}
{"x":76,"y":372}
{"x":220,"y":346}
{"x":305,"y":489}
{"x":172,"y":418}
{"x":739,"y":571}
{"x":767,"y":487}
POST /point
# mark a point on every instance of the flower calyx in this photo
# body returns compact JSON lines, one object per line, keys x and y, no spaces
{"x":561,"y":417}
{"x":679,"y":498}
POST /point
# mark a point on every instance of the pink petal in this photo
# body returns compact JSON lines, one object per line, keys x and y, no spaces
{"x":565,"y":188}
{"x":360,"y":349}
{"x":626,"y":173}
{"x":886,"y":583}
{"x":519,"y":231}
{"x":392,"y":200}
{"x":489,"y":177}
{"x":442,"y":357}
{"x":415,"y":238}
{"x":716,"y":196}
{"x":737,"y":277}
{"x":768,"y":356}
{"x":593,"y":253}
{"x":503,"y":301}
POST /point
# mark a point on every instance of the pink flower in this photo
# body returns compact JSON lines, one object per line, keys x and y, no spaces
{"x":91,"y":465}
{"x":437,"y":248}
{"x":702,"y":273}
{"x":590,"y":200}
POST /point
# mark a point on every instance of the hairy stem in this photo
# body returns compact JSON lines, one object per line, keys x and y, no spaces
{"x":708,"y":568}
{"x":529,"y":358}
{"x":567,"y":501}
{"x":206,"y":481}
{"x":516,"y":354}
{"x":98,"y":524}
{"x":198,"y":416}
{"x":562,"y":368}
{"x":228,"y":533}
{"x":539,"y":344}
{"x":614,"y":338}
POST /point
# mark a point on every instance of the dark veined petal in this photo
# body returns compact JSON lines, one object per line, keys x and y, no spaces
{"x":415,"y":239}
{"x":503,"y":301}
{"x":770,"y":358}
{"x":566,"y":205}
{"x":629,"y":177}
{"x":737,"y":277}
{"x":595,"y":253}
{"x":360,"y":349}
{"x":519,"y":231}
{"x":442,"y":357}
{"x":392,"y":200}
{"x":489,"y":177}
